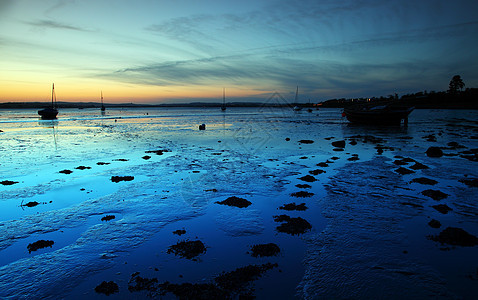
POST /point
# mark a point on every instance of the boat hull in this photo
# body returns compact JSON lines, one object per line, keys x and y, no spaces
{"x":48,"y":113}
{"x":388,"y":116}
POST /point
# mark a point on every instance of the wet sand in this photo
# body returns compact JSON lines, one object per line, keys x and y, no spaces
{"x":346,"y":212}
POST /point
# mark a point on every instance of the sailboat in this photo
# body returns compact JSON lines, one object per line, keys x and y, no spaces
{"x":50,"y":113}
{"x":223,"y":107}
{"x":296,"y":107}
{"x":102,"y":106}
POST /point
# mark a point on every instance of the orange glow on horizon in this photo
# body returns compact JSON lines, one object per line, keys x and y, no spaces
{"x":67,"y":91}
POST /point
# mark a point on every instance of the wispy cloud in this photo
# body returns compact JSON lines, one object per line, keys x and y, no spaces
{"x":56,"y":25}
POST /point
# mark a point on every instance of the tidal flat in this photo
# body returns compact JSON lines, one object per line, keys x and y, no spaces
{"x":266,"y":202}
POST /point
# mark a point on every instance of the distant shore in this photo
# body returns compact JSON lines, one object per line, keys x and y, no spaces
{"x":467,"y":99}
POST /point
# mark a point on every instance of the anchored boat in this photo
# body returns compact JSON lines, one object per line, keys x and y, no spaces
{"x":378,"y":113}
{"x":50,"y":113}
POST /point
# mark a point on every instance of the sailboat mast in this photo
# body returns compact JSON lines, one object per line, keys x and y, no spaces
{"x":101,"y":97}
{"x":223,"y":96}
{"x":296,"y":94}
{"x":53,"y":95}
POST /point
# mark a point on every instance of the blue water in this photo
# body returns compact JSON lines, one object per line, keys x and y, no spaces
{"x":363,"y":243}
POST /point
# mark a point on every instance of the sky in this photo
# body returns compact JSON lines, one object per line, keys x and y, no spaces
{"x":146,"y":51}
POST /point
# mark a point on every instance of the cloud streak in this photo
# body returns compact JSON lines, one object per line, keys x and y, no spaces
{"x":56,"y":25}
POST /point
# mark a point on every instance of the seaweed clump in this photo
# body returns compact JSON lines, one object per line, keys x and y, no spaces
{"x":292,"y":225}
{"x":424,"y":180}
{"x":31,"y":204}
{"x":187,"y":249}
{"x":293,"y":206}
{"x":455,"y":236}
{"x":435,"y":194}
{"x":108,"y":218}
{"x":8,"y":182}
{"x":239,"y":278}
{"x":107,"y":288}
{"x":138,"y":283}
{"x":302,"y":194}
{"x":194,"y":290}
{"x":261,"y":250}
{"x":39,"y":245}
{"x":179,"y":232}
{"x":308,"y":178}
{"x":228,"y":285}
{"x":235,"y":201}
{"x":121,"y":178}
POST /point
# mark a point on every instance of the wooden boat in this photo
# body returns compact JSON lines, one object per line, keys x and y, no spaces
{"x":50,"y":113}
{"x":378,"y":113}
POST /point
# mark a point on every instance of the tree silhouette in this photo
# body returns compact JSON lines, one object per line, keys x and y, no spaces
{"x":455,"y":84}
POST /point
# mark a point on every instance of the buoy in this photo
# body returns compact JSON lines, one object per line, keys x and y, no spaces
{"x":202,"y":127}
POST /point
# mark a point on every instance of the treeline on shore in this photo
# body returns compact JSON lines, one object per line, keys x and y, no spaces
{"x":467,"y":99}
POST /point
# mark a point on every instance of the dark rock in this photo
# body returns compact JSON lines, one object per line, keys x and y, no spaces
{"x":302,"y":194}
{"x":322,"y":165}
{"x":146,"y":157}
{"x":404,"y":171}
{"x":31,"y":204}
{"x":8,"y":182}
{"x":108,"y":218}
{"x":334,"y":158}
{"x":204,"y":291}
{"x":179,"y":232}
{"x":435,"y":194}
{"x":138,"y":283}
{"x":293,"y":206}
{"x":100,"y":163}
{"x":121,"y":159}
{"x":434,"y":152}
{"x":424,"y":180}
{"x":353,"y":158}
{"x":121,"y":178}
{"x":82,"y":168}
{"x":400,"y":162}
{"x":470,"y":182}
{"x":157,"y":152}
{"x":419,"y":166}
{"x":235,"y":201}
{"x":308,"y":178}
{"x":443,"y":208}
{"x":65,"y":171}
{"x":39,"y":245}
{"x":202,"y":127}
{"x":287,"y":139}
{"x":239,"y":278}
{"x":430,"y":138}
{"x":434,"y":223}
{"x":261,"y":250}
{"x":456,"y":236}
{"x":306,"y":141}
{"x":303,"y":157}
{"x":338,"y":149}
{"x":339,"y":144}
{"x":107,"y":288}
{"x":187,"y":249}
{"x":316,"y":172}
{"x":303,"y":186}
{"x":292,"y":225}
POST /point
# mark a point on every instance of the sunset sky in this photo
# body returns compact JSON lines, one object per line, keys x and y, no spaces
{"x":147,"y":51}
